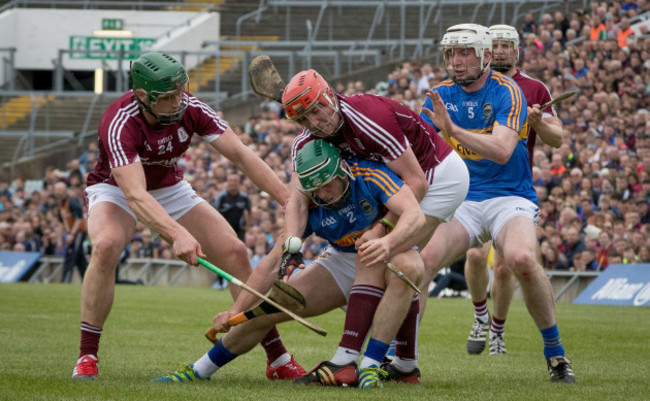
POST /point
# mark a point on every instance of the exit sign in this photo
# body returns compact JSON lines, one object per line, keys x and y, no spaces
{"x":107,"y":48}
{"x":112,"y":24}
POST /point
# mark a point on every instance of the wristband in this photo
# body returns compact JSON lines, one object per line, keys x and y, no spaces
{"x":388,"y":225}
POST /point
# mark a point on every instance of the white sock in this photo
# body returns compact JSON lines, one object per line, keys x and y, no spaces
{"x":369,"y":363}
{"x":205,"y":367}
{"x":282,"y":360}
{"x":483,"y":318}
{"x":344,"y":356}
{"x":404,"y":365}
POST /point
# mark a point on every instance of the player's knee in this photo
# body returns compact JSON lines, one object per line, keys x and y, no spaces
{"x":502,"y":271}
{"x":522,"y":262}
{"x":430,"y":260}
{"x":107,"y":249}
{"x":411,"y":264}
{"x":238,"y":261}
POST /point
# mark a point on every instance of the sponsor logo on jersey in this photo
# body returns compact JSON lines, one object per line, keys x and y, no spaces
{"x":350,"y":239}
{"x":345,"y":210}
{"x":182,"y":134}
{"x":165,"y":162}
{"x":165,"y":139}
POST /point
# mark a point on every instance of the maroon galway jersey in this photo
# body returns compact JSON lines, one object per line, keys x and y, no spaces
{"x":535,"y":92}
{"x":380,"y":129}
{"x":125,"y":138}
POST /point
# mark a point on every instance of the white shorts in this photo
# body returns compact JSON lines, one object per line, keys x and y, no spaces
{"x":341,"y":266}
{"x":448,"y":190}
{"x":177,"y":200}
{"x":484,"y":220}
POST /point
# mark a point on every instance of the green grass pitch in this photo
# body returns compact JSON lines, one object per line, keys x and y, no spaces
{"x":152,"y":330}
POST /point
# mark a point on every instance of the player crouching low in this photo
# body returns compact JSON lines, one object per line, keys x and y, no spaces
{"x":349,"y":199}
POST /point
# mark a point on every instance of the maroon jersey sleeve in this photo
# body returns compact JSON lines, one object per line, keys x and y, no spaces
{"x":119,"y":132}
{"x":376,"y":126}
{"x":536,"y":93}
{"x":204,"y":119}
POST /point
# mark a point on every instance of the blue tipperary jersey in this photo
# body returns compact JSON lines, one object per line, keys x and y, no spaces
{"x":373,"y":185}
{"x":499,"y":102}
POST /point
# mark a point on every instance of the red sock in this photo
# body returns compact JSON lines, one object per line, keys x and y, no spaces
{"x":272,"y":344}
{"x":497,"y":325}
{"x":481,"y":309}
{"x":89,"y":339}
{"x":406,"y":340}
{"x":362,"y":305}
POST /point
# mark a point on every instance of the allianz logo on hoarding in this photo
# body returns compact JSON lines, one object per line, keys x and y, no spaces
{"x":618,"y":289}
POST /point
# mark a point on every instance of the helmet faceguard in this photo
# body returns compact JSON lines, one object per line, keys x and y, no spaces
{"x":317,"y":164}
{"x":310,"y":101}
{"x":460,"y":38}
{"x":504,"y":33}
{"x":162,"y":78}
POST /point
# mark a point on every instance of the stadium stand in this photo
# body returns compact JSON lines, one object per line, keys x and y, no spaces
{"x":607,"y":124}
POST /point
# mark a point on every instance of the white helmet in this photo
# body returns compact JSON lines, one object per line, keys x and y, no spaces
{"x":505,"y":33}
{"x":468,"y":35}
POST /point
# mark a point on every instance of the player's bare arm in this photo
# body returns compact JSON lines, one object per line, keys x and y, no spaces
{"x":549,"y":129}
{"x":497,"y":147}
{"x":410,"y":222}
{"x":131,"y":180}
{"x":296,"y":211}
{"x":252,"y":166}
{"x":406,"y":166}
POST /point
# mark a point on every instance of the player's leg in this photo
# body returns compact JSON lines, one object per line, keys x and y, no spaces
{"x":517,"y":242}
{"x":110,"y":227}
{"x":228,"y":252}
{"x":68,"y":264}
{"x":503,"y":288}
{"x":478,"y":278}
{"x":396,"y":317}
{"x":80,"y":257}
{"x":218,"y":241}
{"x":443,"y":198}
{"x":403,"y":367}
{"x":448,"y":243}
{"x":321,"y":293}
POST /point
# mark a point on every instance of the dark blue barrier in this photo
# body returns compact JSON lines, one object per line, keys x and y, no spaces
{"x":619,"y":285}
{"x":14,"y":265}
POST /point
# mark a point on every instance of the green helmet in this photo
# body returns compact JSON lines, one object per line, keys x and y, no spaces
{"x":159,"y":74}
{"x":318,"y":163}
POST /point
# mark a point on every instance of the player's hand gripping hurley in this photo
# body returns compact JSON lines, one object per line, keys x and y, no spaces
{"x":245,"y":287}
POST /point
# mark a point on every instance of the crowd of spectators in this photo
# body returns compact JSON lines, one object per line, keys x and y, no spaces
{"x":593,"y":190}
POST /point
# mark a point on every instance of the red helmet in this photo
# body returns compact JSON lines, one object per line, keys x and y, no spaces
{"x":306,"y":89}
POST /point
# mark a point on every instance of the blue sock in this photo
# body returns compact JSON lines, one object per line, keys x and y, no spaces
{"x":220,"y":355}
{"x":552,"y":343}
{"x":376,"y":350}
{"x":391,"y":349}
